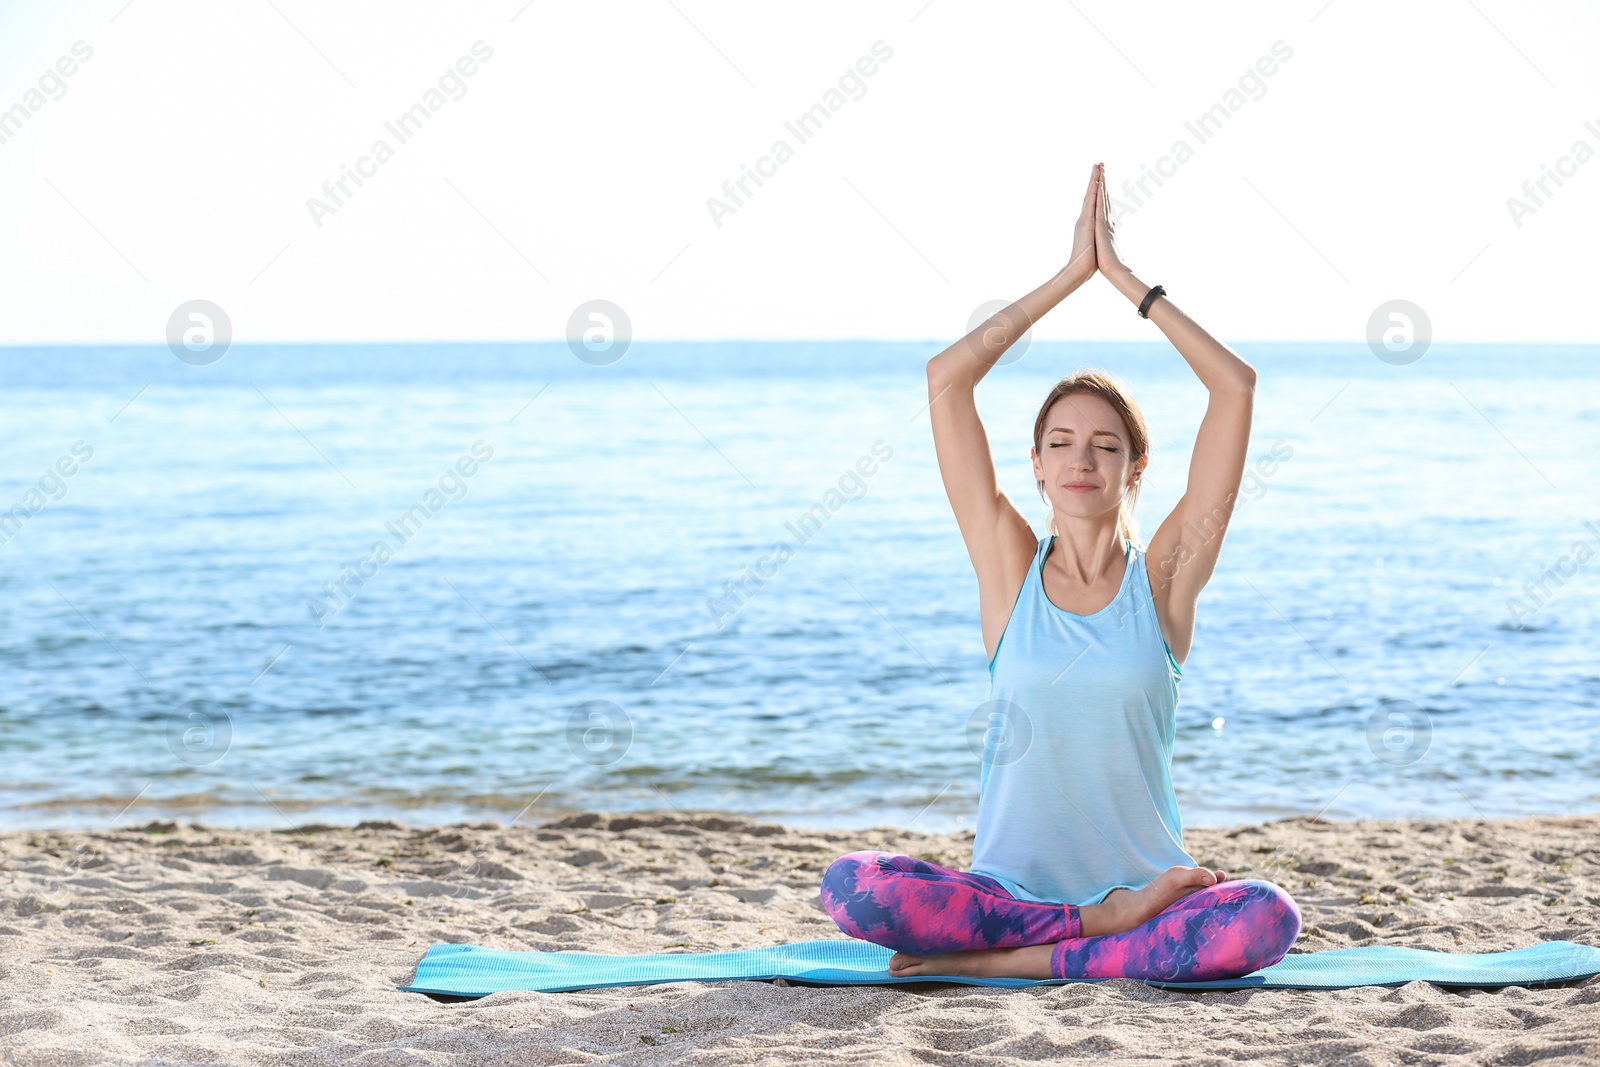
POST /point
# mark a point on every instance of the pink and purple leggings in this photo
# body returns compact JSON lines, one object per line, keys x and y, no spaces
{"x":1224,"y":930}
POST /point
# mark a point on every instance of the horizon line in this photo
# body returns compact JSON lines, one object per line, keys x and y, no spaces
{"x":560,"y":342}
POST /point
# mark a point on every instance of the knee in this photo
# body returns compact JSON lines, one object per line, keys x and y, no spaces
{"x":1274,"y":917}
{"x":847,"y":892}
{"x":842,"y":880}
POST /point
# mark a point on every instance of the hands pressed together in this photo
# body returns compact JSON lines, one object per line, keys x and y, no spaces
{"x":1093,"y":238}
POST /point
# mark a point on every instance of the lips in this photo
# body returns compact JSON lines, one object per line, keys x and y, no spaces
{"x":1080,"y":487}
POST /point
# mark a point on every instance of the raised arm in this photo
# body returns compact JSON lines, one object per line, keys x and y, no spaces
{"x":999,"y":540}
{"x":1183,"y":553}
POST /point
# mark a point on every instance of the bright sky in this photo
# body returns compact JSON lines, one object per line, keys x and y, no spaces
{"x":575,"y":162}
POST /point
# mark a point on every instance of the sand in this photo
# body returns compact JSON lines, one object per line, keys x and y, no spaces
{"x":184,"y":944}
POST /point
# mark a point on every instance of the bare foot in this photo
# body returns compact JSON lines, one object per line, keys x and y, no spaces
{"x":1123,"y":909}
{"x":1031,"y":961}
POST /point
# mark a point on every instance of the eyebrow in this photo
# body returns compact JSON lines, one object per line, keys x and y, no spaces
{"x":1092,"y":433}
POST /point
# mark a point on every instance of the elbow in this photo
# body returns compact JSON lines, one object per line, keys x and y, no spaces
{"x":1247,"y":377}
{"x":945,"y":377}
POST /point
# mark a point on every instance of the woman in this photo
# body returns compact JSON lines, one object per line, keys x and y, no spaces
{"x":1079,"y":870}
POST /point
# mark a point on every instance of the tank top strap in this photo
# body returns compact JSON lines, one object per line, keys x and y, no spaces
{"x":1040,"y":551}
{"x":1144,"y":589}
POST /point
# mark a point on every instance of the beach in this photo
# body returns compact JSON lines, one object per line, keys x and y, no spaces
{"x":418,"y":532}
{"x":181,"y":943}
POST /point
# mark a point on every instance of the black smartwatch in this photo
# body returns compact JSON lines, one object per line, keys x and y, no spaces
{"x":1149,"y":298}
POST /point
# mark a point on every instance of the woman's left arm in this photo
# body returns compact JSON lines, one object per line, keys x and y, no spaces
{"x":1183,"y":553}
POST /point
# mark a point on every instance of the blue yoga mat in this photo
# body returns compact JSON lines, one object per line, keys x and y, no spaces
{"x":470,"y":971}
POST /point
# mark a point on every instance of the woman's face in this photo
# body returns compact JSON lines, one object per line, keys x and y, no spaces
{"x":1082,"y":457}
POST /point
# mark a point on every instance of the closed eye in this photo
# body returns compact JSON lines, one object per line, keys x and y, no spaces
{"x":1063,"y":444}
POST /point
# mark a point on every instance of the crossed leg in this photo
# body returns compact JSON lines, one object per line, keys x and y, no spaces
{"x":1184,"y":926}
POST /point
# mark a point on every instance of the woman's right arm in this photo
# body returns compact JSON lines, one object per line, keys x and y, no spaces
{"x":999,"y":540}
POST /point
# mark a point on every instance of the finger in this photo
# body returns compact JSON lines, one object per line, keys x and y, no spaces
{"x":1093,"y":190}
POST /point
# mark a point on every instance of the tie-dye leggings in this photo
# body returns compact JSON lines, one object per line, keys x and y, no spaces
{"x":1219,"y":931}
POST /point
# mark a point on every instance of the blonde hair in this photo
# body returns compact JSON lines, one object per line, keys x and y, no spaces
{"x":1106,"y":386}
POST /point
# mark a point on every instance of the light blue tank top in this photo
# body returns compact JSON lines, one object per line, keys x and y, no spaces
{"x":1075,"y":792}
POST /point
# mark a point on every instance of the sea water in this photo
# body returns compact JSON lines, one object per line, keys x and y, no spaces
{"x":442,"y":582}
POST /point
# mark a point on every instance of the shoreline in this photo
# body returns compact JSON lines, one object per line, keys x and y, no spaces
{"x":291,"y":815}
{"x":250,"y":945}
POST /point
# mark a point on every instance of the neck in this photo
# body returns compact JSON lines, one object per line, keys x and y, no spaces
{"x":1088,"y":550}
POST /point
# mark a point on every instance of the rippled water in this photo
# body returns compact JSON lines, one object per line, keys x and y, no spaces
{"x":547,"y":636}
